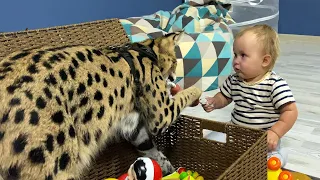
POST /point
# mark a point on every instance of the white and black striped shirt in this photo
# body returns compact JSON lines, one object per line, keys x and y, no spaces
{"x":257,"y":105}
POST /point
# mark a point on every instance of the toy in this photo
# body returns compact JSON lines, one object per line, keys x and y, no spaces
{"x":142,"y":169}
{"x":183,"y":174}
{"x":275,"y":172}
{"x":148,"y":169}
{"x":299,"y":176}
{"x":176,"y":88}
{"x":181,"y":169}
{"x":174,"y":176}
{"x":123,"y":176}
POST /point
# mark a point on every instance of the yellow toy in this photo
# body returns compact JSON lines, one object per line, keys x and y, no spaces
{"x":183,"y":174}
{"x":275,"y":172}
{"x":299,"y":176}
{"x":173,"y":176}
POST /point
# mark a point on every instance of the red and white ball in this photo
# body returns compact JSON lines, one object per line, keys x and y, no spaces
{"x":144,"y":169}
{"x":147,"y":169}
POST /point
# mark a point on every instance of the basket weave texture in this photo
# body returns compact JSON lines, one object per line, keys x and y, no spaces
{"x":100,"y":34}
{"x":242,"y":157}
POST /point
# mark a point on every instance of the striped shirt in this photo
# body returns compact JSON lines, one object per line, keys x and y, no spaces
{"x":257,"y":105}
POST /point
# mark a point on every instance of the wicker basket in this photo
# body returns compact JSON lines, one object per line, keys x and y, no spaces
{"x":242,"y":157}
{"x":100,"y":34}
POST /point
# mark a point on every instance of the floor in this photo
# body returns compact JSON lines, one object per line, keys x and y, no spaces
{"x":299,"y":64}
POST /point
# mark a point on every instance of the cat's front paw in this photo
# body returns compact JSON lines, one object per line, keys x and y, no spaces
{"x":162,"y":160}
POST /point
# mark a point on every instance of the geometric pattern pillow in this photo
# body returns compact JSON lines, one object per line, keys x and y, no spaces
{"x":146,"y":27}
{"x":204,"y":59}
{"x":204,"y":52}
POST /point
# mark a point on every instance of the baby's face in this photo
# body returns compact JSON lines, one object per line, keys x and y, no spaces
{"x":248,"y":56}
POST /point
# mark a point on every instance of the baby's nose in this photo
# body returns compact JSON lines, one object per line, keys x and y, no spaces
{"x":236,"y":60}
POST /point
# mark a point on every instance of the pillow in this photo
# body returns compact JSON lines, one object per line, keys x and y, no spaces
{"x":204,"y":52}
{"x":146,"y":27}
{"x":204,"y":59}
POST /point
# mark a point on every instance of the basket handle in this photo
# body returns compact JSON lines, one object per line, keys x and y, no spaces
{"x":216,"y":126}
{"x":219,"y":127}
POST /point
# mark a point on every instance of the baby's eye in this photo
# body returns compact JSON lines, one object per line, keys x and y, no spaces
{"x":243,"y":55}
{"x":235,"y":55}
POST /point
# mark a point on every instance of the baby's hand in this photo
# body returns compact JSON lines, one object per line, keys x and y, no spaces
{"x":207,"y":104}
{"x":273,"y":140}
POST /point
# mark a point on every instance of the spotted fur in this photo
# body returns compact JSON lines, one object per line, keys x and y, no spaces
{"x":60,"y":106}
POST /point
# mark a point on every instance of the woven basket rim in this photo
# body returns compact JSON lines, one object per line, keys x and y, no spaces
{"x":261,"y":138}
{"x":4,"y":34}
{"x":264,"y":135}
{"x":219,"y":122}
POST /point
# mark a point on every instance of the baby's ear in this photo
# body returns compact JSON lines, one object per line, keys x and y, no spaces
{"x":266,"y":60}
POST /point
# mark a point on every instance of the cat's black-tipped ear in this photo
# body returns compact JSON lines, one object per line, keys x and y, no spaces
{"x":226,"y":6}
{"x":173,"y":33}
{"x":178,"y":35}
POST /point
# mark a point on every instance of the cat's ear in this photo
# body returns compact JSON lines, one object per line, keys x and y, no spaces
{"x":174,"y":35}
{"x":226,"y":6}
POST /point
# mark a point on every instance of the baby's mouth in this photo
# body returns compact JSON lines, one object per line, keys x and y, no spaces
{"x":236,"y":69}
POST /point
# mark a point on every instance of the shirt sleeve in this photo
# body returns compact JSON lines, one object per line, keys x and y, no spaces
{"x":225,"y":89}
{"x":281,"y":93}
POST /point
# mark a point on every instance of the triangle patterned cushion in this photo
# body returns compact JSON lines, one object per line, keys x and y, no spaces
{"x":204,"y":51}
{"x":204,"y":59}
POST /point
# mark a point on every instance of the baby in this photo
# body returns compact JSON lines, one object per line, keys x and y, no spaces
{"x":262,"y":98}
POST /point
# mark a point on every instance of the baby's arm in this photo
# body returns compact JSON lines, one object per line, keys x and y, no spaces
{"x":288,"y":116}
{"x":283,"y":100}
{"x":216,"y":102}
{"x":221,"y":99}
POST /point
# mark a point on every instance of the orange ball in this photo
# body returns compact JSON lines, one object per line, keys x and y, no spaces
{"x":274,"y":163}
{"x":285,"y":175}
{"x":195,"y":103}
{"x":175,"y":90}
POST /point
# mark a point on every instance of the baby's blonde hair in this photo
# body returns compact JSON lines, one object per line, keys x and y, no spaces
{"x":268,"y":38}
